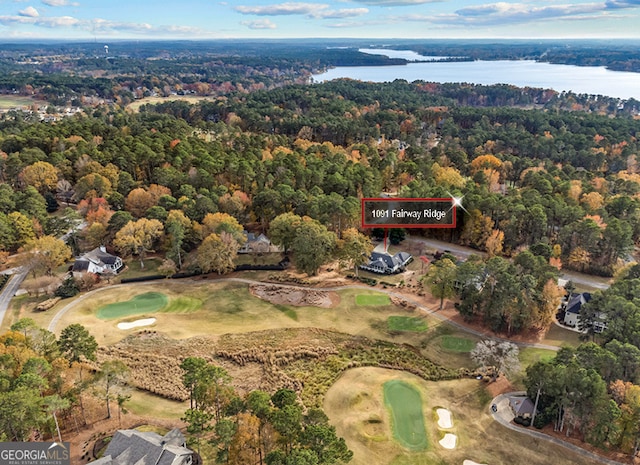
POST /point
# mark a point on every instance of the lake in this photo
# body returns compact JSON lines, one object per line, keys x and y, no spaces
{"x":595,"y":80}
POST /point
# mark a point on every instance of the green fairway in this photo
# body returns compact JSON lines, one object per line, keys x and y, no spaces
{"x":405,"y":406}
{"x":406,"y":323}
{"x":182,"y":304}
{"x":144,"y":303}
{"x":372,"y":300}
{"x":457,"y":344}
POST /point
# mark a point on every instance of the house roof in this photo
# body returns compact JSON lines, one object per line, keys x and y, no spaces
{"x":521,"y":405}
{"x":80,"y":265}
{"x":100,"y":255}
{"x":576,"y":301}
{"x":132,"y":447}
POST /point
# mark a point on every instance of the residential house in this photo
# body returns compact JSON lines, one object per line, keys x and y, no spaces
{"x":255,"y":244}
{"x":573,"y":306}
{"x":521,"y":406}
{"x":385,"y":263}
{"x":98,"y":261}
{"x":128,"y":447}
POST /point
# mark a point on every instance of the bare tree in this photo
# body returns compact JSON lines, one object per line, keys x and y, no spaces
{"x":499,"y":357}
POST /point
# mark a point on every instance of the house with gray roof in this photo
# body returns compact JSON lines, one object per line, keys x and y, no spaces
{"x":385,"y":263}
{"x":521,"y":406}
{"x":255,"y":244}
{"x":98,"y":261}
{"x":574,"y":305}
{"x":132,"y":447}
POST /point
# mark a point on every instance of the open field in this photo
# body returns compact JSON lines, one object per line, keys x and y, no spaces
{"x":135,"y":106}
{"x":457,"y":344}
{"x":372,"y":299}
{"x":8,"y":102}
{"x":355,"y":405}
{"x":406,"y":323}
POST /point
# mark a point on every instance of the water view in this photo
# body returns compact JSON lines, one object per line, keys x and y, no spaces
{"x":595,"y":80}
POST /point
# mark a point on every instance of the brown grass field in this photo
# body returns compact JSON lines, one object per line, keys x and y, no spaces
{"x":8,"y":102}
{"x":355,"y":406}
{"x":135,"y":106}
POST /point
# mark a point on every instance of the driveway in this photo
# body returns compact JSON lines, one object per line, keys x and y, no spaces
{"x":504,"y":416}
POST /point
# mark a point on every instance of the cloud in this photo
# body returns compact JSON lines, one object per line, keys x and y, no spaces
{"x":396,"y":2}
{"x":618,"y":4}
{"x":30,"y":12}
{"x":310,"y":10}
{"x":59,"y":3}
{"x":503,"y":13}
{"x":259,"y":24}
{"x":289,"y":8}
{"x":337,"y":14}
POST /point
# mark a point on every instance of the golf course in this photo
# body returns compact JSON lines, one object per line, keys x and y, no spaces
{"x":335,"y":346}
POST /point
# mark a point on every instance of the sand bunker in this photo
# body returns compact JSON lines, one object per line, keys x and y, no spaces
{"x":294,"y":295}
{"x":137,"y":323}
{"x":444,"y":418}
{"x":449,"y":441}
{"x":471,"y":462}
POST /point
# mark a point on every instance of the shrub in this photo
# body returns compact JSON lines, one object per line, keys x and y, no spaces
{"x":68,"y":288}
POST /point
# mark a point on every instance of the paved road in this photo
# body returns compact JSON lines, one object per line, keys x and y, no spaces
{"x":10,"y":289}
{"x":463,"y":252}
{"x":504,"y":416}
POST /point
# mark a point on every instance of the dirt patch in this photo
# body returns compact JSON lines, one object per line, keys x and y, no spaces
{"x":298,"y":296}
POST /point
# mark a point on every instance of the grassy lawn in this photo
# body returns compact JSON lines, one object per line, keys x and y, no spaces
{"x":406,"y":323}
{"x":146,"y":404}
{"x":372,"y":299}
{"x":407,"y":419}
{"x":135,"y":106}
{"x":457,"y":344}
{"x":559,"y":336}
{"x":8,"y":102}
{"x":134,"y":270}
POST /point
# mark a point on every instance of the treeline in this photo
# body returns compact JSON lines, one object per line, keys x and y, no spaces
{"x":260,"y":428}
{"x":594,"y":390}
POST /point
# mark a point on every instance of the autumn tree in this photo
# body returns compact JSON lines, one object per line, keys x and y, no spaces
{"x":440,"y":280}
{"x":354,"y":248}
{"x":222,"y":222}
{"x":41,"y":175}
{"x":312,"y":246}
{"x":138,"y":238}
{"x":217,"y":253}
{"x":282,"y":230}
{"x":47,"y":253}
{"x":177,"y":226}
{"x":112,"y":377}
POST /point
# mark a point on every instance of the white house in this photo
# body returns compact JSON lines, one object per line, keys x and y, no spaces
{"x":385,"y":263}
{"x":572,"y":310}
{"x":98,"y":261}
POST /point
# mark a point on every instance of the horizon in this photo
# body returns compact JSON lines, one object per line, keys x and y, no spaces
{"x":332,"y":19}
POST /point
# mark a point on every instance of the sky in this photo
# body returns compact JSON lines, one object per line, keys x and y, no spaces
{"x":402,"y":19}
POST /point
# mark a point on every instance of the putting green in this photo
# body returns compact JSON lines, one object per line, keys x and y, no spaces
{"x":372,"y":300}
{"x":405,"y":406}
{"x":457,"y":344}
{"x":144,"y":303}
{"x":406,"y":323}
